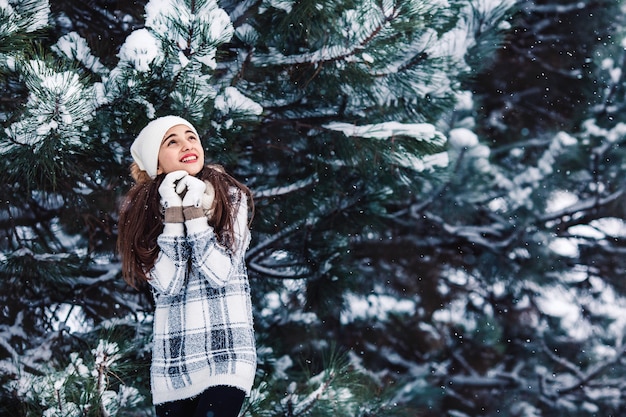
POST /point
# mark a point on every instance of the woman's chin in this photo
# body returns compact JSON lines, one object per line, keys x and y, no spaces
{"x":192,"y":169}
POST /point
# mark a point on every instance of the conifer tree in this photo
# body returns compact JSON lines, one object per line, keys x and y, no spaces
{"x":330,"y":111}
{"x":516,"y":259}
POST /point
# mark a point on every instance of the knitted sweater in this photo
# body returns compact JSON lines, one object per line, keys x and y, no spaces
{"x":203,"y":330}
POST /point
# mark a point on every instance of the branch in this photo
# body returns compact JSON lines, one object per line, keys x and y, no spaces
{"x":587,"y":377}
{"x":482,"y":382}
{"x":586,"y":205}
{"x":287,"y":189}
{"x":325,"y":54}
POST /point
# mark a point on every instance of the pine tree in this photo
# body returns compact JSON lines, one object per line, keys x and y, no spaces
{"x":331,"y":111}
{"x":516,"y":258}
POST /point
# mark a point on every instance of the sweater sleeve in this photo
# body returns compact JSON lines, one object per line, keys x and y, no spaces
{"x":213,"y":261}
{"x":170,"y":268}
{"x":242,"y":232}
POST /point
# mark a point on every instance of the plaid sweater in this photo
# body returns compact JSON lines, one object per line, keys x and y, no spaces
{"x":203,"y":330}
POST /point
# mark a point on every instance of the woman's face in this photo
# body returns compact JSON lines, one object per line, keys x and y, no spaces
{"x":180,"y":149}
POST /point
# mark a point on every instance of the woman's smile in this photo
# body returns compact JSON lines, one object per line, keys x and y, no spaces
{"x":189,"y":158}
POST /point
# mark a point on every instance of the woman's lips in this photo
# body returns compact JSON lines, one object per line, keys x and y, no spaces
{"x":189,"y":158}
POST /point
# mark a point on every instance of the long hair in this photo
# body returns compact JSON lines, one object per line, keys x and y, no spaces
{"x":141,"y":218}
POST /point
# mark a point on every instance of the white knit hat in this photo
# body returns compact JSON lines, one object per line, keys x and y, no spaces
{"x":145,"y":149}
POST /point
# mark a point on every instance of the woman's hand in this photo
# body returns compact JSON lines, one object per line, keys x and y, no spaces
{"x":170,"y":197}
{"x":195,"y":190}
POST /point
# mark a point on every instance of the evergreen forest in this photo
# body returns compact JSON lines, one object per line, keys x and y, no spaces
{"x":439,"y":225}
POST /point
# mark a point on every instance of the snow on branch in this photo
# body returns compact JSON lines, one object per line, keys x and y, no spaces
{"x":196,"y":31}
{"x":75,"y":47}
{"x":422,"y":132}
{"x":425,"y":132}
{"x":576,"y":379}
{"x":259,"y":252}
{"x":583,"y":206}
{"x":58,"y":102}
{"x":25,"y":16}
{"x":287,"y":189}
{"x":300,"y":407}
{"x":360,"y":31}
{"x":232,"y":101}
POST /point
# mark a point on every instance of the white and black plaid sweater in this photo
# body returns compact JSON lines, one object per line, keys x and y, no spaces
{"x":203,"y":329}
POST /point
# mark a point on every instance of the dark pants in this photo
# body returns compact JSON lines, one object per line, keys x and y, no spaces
{"x":220,"y":401}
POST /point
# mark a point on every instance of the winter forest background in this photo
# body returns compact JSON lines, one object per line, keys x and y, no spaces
{"x":439,"y":186}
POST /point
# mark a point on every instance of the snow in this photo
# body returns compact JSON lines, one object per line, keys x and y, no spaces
{"x":156,"y":14}
{"x":586,"y":231}
{"x":140,"y":50}
{"x":559,"y":200}
{"x":462,"y":141}
{"x":285,"y":5}
{"x":105,"y":354}
{"x":70,"y":317}
{"x":464,"y":101}
{"x":609,"y":304}
{"x":557,"y":302}
{"x":37,"y":12}
{"x":422,"y":163}
{"x":287,"y":189}
{"x":67,"y":112}
{"x":564,"y":247}
{"x":420,"y":131}
{"x":612,"y":227}
{"x":218,"y":21}
{"x":388,"y":130}
{"x":46,"y":387}
{"x":281,"y":365}
{"x":210,"y":26}
{"x":612,"y":135}
{"x":525,"y":409}
{"x":462,"y":138}
{"x":375,"y":306}
{"x":569,"y":303}
{"x":247,"y":33}
{"x":232,"y":101}
{"x":603,"y":228}
{"x":75,"y":47}
{"x":39,"y":19}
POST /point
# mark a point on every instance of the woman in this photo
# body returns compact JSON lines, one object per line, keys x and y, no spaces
{"x":183,"y":230}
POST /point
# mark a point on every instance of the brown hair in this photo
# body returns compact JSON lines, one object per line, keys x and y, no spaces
{"x":141,"y":218}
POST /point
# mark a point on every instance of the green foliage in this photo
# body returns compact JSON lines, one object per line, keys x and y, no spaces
{"x":93,"y":383}
{"x":319,"y":387}
{"x":453,"y":254}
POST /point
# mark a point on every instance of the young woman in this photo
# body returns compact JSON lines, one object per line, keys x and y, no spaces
{"x":183,"y":230}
